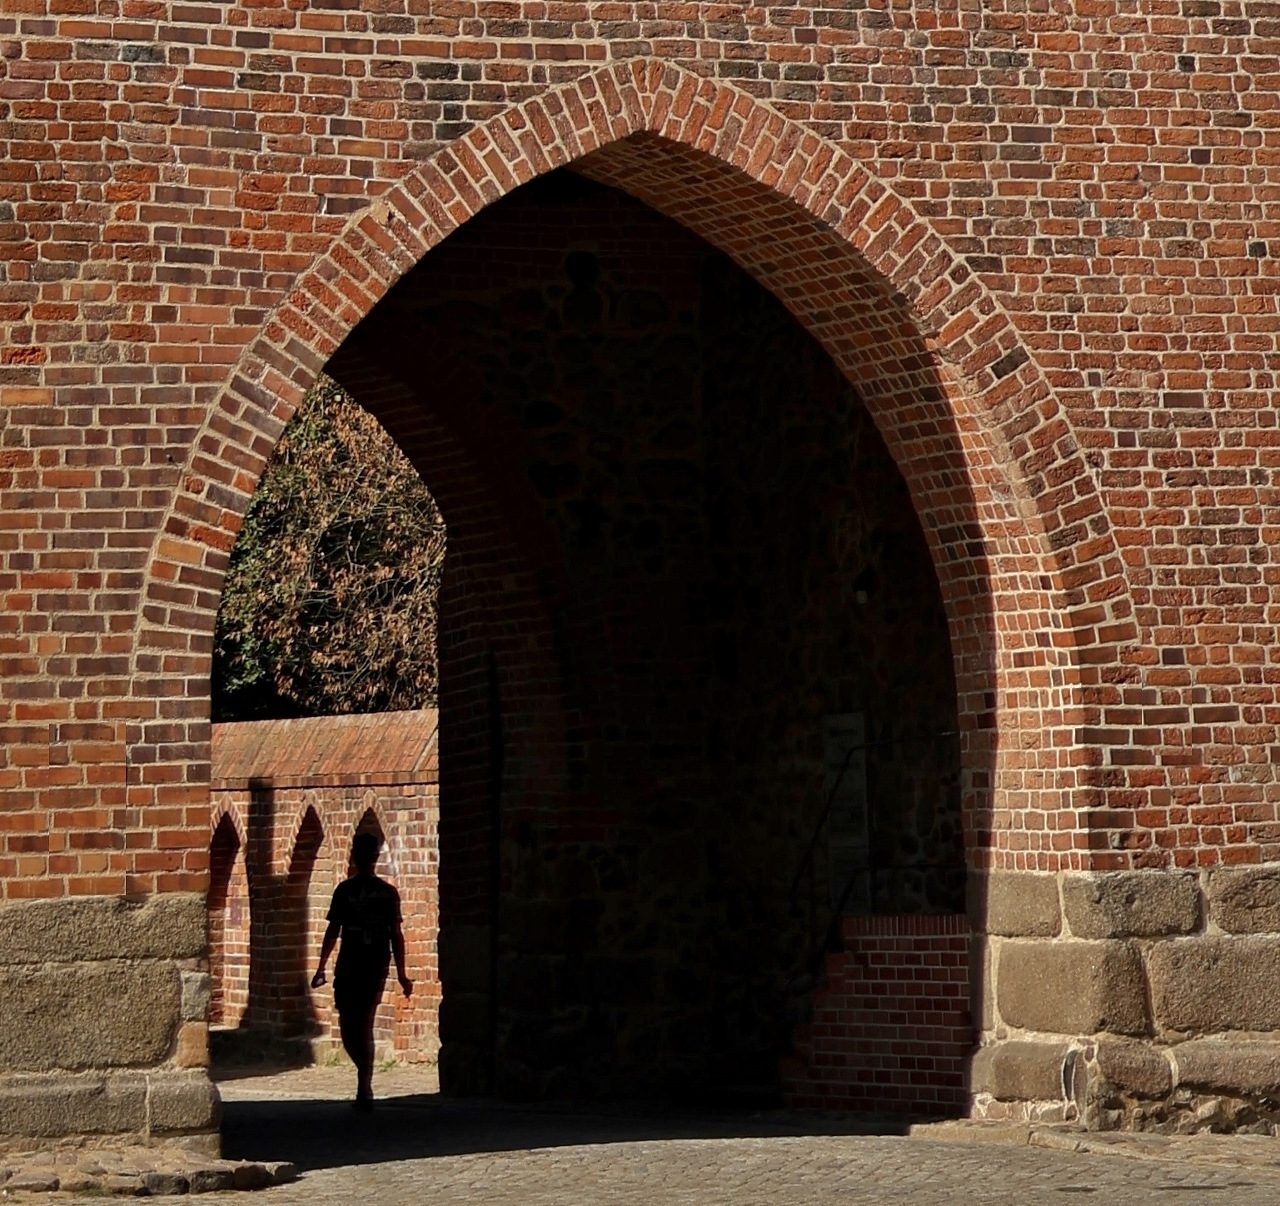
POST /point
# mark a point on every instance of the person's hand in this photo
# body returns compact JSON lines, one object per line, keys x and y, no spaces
{"x":406,"y":986}
{"x":318,"y":979}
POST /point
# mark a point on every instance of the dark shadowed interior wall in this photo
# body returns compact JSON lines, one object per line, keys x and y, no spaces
{"x":716,"y":615}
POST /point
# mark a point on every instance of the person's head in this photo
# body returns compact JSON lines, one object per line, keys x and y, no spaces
{"x":365,"y":850}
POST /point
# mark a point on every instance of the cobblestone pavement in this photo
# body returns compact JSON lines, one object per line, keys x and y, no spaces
{"x":417,"y":1147}
{"x":323,"y":1082}
{"x":777,"y":1171}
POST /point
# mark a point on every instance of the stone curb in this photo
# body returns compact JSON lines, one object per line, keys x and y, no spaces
{"x":1010,"y":1134}
{"x":88,"y":1176}
{"x":1235,"y":1151}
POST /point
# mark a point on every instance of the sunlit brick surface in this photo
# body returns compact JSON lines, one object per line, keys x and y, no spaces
{"x":288,"y":797}
{"x":1089,"y":278}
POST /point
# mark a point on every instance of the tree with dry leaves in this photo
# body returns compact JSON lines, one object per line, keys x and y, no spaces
{"x":330,"y":600}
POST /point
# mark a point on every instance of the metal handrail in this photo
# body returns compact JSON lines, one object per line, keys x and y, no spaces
{"x":815,"y":953}
{"x":822,"y":820}
{"x":831,"y":798}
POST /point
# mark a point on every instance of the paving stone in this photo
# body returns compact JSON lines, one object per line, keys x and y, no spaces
{"x":252,"y":1176}
{"x":211,"y":1180}
{"x":283,"y":1172}
{"x":124,"y":1185}
{"x":32,"y":1182}
{"x":165,"y":1184}
{"x":969,"y":1130}
{"x":420,"y":1148}
{"x":825,"y":1170}
{"x":1056,"y":1140}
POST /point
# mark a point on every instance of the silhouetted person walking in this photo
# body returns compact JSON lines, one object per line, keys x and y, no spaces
{"x":365,"y":912}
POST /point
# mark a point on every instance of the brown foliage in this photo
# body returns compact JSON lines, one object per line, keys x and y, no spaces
{"x":330,"y":601}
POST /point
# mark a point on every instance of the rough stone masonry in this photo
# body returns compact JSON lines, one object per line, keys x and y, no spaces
{"x":1040,"y":244}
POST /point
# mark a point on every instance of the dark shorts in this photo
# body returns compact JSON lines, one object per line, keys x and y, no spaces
{"x":358,"y":993}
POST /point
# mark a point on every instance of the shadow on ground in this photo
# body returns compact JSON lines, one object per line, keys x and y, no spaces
{"x":329,"y":1134}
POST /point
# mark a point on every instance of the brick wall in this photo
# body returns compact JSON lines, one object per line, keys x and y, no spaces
{"x":890,"y":1030}
{"x":1040,"y":243}
{"x":208,"y":165}
{"x":228,"y":904}
{"x":288,"y":797}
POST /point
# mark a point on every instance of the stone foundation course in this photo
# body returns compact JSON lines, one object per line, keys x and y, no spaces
{"x":1130,"y":1000}
{"x":135,"y":1172}
{"x":103,"y":1019}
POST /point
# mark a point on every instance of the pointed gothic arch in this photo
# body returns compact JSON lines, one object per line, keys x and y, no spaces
{"x":1029,"y":570}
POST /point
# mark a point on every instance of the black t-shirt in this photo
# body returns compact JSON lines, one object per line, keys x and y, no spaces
{"x":368,"y":909}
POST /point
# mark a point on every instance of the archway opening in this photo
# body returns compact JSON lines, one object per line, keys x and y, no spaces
{"x":697,"y":678}
{"x":298,"y":938}
{"x":228,"y":925}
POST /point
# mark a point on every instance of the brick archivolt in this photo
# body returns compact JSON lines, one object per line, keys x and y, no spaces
{"x":1027,"y":564}
{"x":229,"y":810}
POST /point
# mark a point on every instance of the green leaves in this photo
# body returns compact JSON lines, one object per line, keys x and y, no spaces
{"x":330,"y":600}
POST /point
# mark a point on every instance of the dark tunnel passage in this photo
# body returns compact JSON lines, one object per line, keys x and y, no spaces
{"x":696,"y":689}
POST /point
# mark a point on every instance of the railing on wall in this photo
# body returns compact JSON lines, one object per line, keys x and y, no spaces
{"x":824,"y":938}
